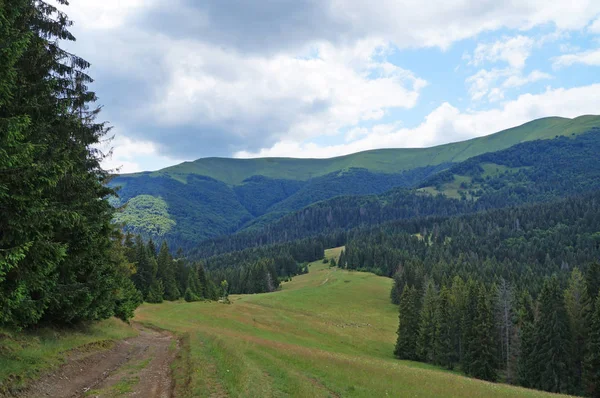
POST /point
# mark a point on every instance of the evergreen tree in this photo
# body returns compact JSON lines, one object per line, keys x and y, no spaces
{"x":166,"y":272}
{"x":408,"y":328}
{"x":577,"y":307}
{"x":553,"y":339}
{"x":445,"y":331}
{"x":527,"y":367}
{"x":427,"y":325}
{"x":504,"y":316}
{"x":55,"y":245}
{"x":483,"y":353}
{"x":592,"y":358}
{"x":145,"y":272}
{"x":468,"y":325}
{"x":156,"y":292}
{"x":592,"y":279}
{"x":193,"y":291}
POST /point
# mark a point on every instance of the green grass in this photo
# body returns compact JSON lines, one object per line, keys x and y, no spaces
{"x":234,"y":171}
{"x":327,"y":333}
{"x":26,"y":355}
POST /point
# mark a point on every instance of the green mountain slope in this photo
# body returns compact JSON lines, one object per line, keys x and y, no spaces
{"x":235,"y":171}
{"x":217,"y":196}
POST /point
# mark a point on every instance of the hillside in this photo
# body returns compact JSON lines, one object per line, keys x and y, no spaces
{"x":329,"y":333}
{"x":197,"y":200}
{"x":531,"y":172}
{"x":235,"y":171}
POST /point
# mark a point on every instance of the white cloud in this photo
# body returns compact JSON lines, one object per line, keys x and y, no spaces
{"x":228,"y":78}
{"x":513,"y":50}
{"x":299,"y":97}
{"x":492,"y":84}
{"x":595,"y":26}
{"x":591,"y":57}
{"x":127,"y":154}
{"x":448,"y":124}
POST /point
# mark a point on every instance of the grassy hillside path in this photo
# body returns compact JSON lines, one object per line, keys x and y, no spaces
{"x":328,"y":333}
{"x":138,"y":366}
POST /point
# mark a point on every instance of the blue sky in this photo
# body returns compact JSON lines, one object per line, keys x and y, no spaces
{"x":182,"y":79}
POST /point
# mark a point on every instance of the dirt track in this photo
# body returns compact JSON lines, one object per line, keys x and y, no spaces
{"x":139,"y":367}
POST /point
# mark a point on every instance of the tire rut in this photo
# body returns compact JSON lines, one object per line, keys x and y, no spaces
{"x":139,"y":366}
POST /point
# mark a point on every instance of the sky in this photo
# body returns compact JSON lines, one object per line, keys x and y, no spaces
{"x":183,"y":79}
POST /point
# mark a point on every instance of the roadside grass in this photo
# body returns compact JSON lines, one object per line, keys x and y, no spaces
{"x":25,"y":355}
{"x":328,"y":333}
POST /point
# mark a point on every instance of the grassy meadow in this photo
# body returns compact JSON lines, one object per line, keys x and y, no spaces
{"x":329,"y":333}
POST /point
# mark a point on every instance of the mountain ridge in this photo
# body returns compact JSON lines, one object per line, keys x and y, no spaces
{"x":222,"y":196}
{"x":234,"y":171}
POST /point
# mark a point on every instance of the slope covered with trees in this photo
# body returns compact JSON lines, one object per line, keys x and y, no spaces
{"x":216,"y":196}
{"x":532,"y":172}
{"x":501,"y":295}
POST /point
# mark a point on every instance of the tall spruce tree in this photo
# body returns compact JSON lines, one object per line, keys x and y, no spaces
{"x":408,"y":327}
{"x":56,"y":240}
{"x":577,"y":306}
{"x":553,"y":339}
{"x":167,"y":273}
{"x":482,"y":350}
{"x":427,"y":326}
{"x":468,"y":325}
{"x":592,"y":358}
{"x":527,"y":366}
{"x":445,"y":330}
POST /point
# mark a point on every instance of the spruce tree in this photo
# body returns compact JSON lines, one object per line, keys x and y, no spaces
{"x":577,"y":307}
{"x":166,"y":272}
{"x":56,"y":240}
{"x":144,"y":270}
{"x":445,"y":330}
{"x":553,"y":339}
{"x":592,"y":358}
{"x":483,"y":352}
{"x":427,"y":327}
{"x":527,"y":367}
{"x":408,"y":327}
{"x":468,"y":325}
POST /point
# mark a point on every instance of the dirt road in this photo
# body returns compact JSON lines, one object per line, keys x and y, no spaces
{"x":139,"y":367}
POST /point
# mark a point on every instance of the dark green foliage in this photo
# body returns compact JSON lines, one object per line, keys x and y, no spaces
{"x":57,"y":259}
{"x":482,"y":348}
{"x":592,"y":359}
{"x":166,"y":272}
{"x":445,"y":330}
{"x":527,"y":365}
{"x":427,"y":324}
{"x":553,"y":339}
{"x":408,"y":328}
{"x":156,"y":292}
{"x":578,"y":307}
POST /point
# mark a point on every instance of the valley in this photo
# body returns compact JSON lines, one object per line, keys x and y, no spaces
{"x":329,"y":333}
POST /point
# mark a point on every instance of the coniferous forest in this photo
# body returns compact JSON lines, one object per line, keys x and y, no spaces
{"x":494,"y":260}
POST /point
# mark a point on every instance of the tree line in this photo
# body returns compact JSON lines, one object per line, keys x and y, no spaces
{"x":510,"y":294}
{"x":496,"y":332}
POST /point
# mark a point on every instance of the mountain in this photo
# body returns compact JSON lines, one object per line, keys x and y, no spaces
{"x":531,"y":172}
{"x":197,"y":200}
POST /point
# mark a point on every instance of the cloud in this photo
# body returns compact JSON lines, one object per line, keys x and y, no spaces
{"x":486,"y":83}
{"x":595,"y":26}
{"x":129,"y":156}
{"x":590,"y":57}
{"x":448,"y":124}
{"x":219,"y":76}
{"x":513,"y":50}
